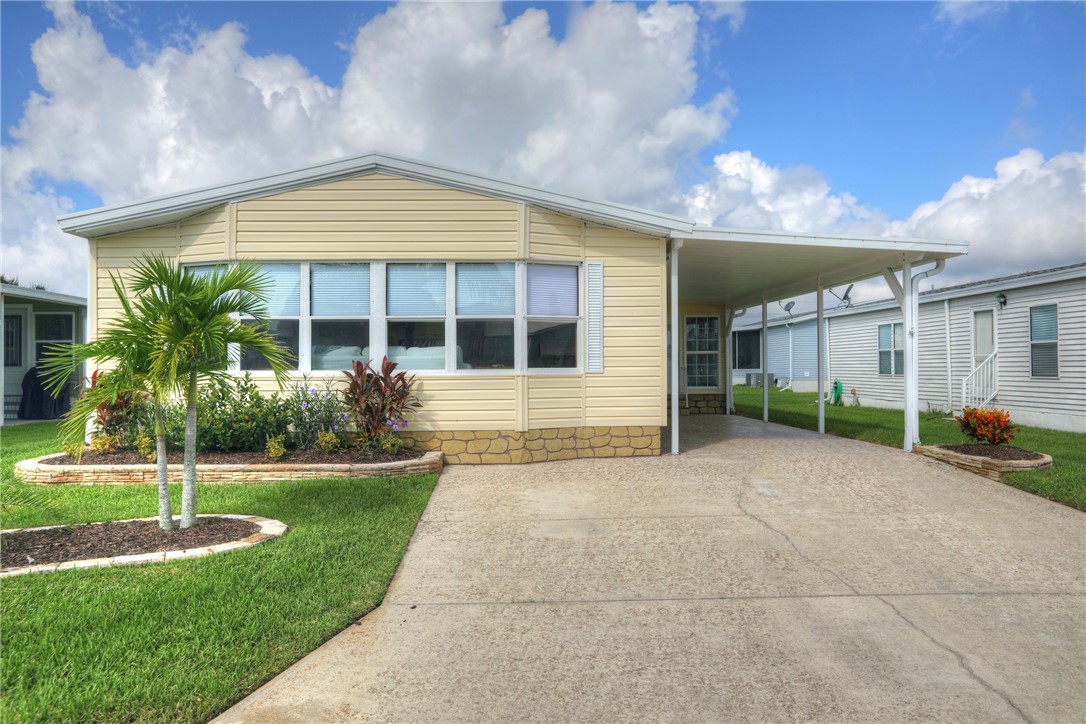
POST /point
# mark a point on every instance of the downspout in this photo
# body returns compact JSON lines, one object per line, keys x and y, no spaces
{"x":912,"y":367}
{"x":949,"y":358}
{"x":676,"y":244}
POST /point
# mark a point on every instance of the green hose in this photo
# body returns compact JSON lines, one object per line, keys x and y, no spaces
{"x":835,"y":393}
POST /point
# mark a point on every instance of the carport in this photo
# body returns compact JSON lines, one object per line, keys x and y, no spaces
{"x":740,"y":269}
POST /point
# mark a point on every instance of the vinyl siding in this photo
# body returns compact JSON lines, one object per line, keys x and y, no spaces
{"x":554,"y":236}
{"x":556,"y":401}
{"x":854,"y":357}
{"x":116,"y":255}
{"x":377,"y":217}
{"x":203,"y":238}
{"x":631,"y":389}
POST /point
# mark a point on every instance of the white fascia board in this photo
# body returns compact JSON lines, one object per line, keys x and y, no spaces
{"x":930,"y":248}
{"x":42,"y":295}
{"x":173,"y":207}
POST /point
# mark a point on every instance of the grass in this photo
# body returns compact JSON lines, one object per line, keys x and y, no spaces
{"x":1064,"y":482}
{"x":183,"y":641}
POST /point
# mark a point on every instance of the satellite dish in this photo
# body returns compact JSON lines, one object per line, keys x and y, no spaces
{"x":848,"y":291}
{"x":788,"y":307}
{"x":740,"y":312}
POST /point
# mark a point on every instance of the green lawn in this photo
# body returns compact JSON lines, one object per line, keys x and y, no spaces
{"x":183,"y":641}
{"x":1065,"y":482}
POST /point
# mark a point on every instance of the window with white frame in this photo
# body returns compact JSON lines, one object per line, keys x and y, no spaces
{"x":52,"y":328}
{"x":339,"y":315}
{"x":748,"y":350}
{"x":13,"y":340}
{"x":485,"y":309}
{"x":702,"y":352}
{"x":892,"y":349}
{"x":454,"y":316}
{"x":284,"y":312}
{"x":1044,"y":341}
{"x":553,"y":315}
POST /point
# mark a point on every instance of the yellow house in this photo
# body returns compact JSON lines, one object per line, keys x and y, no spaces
{"x":537,"y":323}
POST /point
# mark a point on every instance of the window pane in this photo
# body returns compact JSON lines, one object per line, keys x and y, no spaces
{"x":339,"y":290}
{"x":552,"y":290}
{"x":484,"y":344}
{"x":417,"y":345}
{"x":13,"y":340}
{"x":1044,"y":359}
{"x":702,"y":334}
{"x":899,"y":336}
{"x":56,"y":327}
{"x":748,"y":354}
{"x":337,"y":342}
{"x":284,"y":330}
{"x":416,"y":290}
{"x":485,"y":289}
{"x":204,"y":270}
{"x":284,"y":292}
{"x":702,"y":370}
{"x":552,"y":344}
{"x":1042,"y":323}
{"x":899,"y":362}
{"x":884,"y":362}
{"x":884,"y":337}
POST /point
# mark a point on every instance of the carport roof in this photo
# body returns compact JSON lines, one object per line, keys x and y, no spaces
{"x":726,"y":266}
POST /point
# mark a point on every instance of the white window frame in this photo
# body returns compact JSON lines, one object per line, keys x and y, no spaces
{"x":308,"y":318}
{"x":718,"y":353}
{"x":25,"y":347}
{"x":892,"y":349}
{"x":1054,"y":342}
{"x":379,"y":318}
{"x":34,"y":341}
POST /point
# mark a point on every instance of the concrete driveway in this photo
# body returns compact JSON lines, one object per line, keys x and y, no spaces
{"x":767,"y":574}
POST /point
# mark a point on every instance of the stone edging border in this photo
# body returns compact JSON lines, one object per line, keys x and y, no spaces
{"x":989,"y":468}
{"x":35,"y":471}
{"x":269,"y":528}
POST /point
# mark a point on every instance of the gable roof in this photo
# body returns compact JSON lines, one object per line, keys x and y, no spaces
{"x":730,"y":266}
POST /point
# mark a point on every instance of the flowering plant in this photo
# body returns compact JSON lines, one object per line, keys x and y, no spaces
{"x":379,"y":400}
{"x":991,"y":426}
{"x":318,"y":416}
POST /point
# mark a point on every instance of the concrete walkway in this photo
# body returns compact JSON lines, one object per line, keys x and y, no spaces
{"x":767,"y":574}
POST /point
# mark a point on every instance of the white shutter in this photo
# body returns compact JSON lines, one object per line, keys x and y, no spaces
{"x":594,"y":316}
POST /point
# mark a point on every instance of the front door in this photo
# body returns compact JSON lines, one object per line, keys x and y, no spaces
{"x":16,"y":356}
{"x":983,"y":335}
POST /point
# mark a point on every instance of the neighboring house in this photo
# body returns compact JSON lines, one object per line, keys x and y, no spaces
{"x":1016,"y":342}
{"x":536,"y":322}
{"x":33,"y":319}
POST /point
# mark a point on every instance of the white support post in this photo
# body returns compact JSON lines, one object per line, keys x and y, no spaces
{"x":949,"y":358}
{"x":729,"y":320}
{"x":676,"y":340}
{"x":912,"y":416}
{"x":765,"y":361}
{"x":820,"y":349}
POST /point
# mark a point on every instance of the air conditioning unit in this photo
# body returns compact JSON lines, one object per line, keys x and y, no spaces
{"x":754,"y":379}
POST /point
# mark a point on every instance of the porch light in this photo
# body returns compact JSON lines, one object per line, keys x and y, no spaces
{"x":1002,"y":299}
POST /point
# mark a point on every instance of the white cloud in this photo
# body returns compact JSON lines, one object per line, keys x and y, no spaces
{"x":606,"y":112}
{"x":735,"y":12}
{"x":959,"y":12}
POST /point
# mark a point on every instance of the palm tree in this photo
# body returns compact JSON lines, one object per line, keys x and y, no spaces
{"x":127,"y":343}
{"x":191,"y":321}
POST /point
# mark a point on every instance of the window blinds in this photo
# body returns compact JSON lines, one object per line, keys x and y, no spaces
{"x":284,"y":289}
{"x":339,"y":290}
{"x":1042,"y":323}
{"x":416,"y":290}
{"x":552,"y":290}
{"x":485,"y":289}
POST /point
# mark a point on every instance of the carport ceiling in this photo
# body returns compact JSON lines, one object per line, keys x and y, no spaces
{"x":739,"y":269}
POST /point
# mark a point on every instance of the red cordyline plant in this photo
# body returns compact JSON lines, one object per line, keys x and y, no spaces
{"x":990,"y":426}
{"x":379,"y":400}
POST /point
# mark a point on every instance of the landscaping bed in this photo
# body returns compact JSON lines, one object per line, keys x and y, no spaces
{"x":316,"y":456}
{"x":991,"y":461}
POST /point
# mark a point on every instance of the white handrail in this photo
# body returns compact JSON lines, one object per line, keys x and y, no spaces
{"x":982,"y":384}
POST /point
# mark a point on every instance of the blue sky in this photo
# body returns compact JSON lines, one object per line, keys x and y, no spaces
{"x":820,"y":116}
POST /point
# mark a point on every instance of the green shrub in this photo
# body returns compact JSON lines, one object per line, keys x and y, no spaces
{"x":275,"y":447}
{"x":316,"y":410}
{"x":233,"y":416}
{"x":379,"y":401}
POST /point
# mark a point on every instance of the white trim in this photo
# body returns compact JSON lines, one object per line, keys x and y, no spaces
{"x":719,"y":353}
{"x":1029,"y":321}
{"x":594,"y":312}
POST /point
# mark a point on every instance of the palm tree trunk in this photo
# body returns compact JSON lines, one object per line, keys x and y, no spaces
{"x":188,"y":479}
{"x":165,"y":510}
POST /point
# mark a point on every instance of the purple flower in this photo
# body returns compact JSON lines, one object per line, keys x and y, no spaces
{"x":404,"y":423}
{"x":312,"y":390}
{"x":305,"y":405}
{"x":344,"y":417}
{"x":335,"y":428}
{"x":395,"y":427}
{"x":325,"y":396}
{"x":388,"y":422}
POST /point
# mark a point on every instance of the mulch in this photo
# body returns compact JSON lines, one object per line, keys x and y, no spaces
{"x":105,"y":540}
{"x":994,"y":452}
{"x":293,"y":457}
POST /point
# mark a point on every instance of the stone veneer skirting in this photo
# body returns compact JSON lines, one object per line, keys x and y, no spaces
{"x":533,"y":446}
{"x":708,"y":403}
{"x":989,"y":468}
{"x":34,"y":471}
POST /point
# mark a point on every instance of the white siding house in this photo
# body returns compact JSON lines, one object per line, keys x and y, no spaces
{"x":1017,"y":342}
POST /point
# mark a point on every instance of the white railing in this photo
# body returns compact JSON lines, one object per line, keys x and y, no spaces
{"x":982,"y":384}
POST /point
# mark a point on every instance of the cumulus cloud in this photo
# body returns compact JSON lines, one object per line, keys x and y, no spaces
{"x":454,"y":83}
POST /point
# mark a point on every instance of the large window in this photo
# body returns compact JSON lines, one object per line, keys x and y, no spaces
{"x":52,"y":328}
{"x":702,"y":352}
{"x":748,"y":353}
{"x":892,"y":349}
{"x":284,"y":312}
{"x":1044,"y":341}
{"x":553,"y":310}
{"x":455,"y":316}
